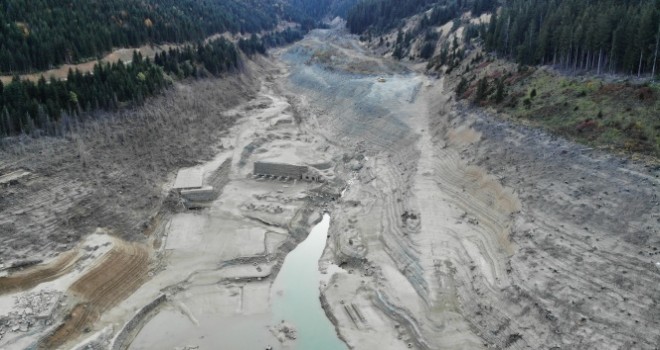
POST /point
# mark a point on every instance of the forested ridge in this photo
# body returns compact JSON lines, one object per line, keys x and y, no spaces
{"x":52,"y":107}
{"x":615,"y":36}
{"x":54,"y":31}
{"x":41,"y":34}
{"x":316,"y":9}
{"x":621,"y":36}
{"x":378,"y":16}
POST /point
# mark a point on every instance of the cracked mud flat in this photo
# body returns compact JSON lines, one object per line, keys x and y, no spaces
{"x":453,"y":230}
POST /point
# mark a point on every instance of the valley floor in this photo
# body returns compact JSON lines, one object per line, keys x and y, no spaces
{"x":451,"y":229}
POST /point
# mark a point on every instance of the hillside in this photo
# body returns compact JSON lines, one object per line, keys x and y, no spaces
{"x":40,"y":34}
{"x":580,"y":69}
{"x":55,"y":107}
{"x":35,"y":36}
{"x":601,"y":36}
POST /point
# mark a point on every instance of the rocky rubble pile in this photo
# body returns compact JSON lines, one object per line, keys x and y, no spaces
{"x":29,"y":310}
{"x":284,"y":332}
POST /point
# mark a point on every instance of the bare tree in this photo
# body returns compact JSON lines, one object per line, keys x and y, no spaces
{"x":655,"y":56}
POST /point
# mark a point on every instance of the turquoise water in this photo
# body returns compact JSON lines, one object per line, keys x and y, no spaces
{"x":296,"y":294}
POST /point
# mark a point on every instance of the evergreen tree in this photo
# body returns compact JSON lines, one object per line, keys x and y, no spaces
{"x":499,"y":91}
{"x":462,"y":87}
{"x":482,"y":90}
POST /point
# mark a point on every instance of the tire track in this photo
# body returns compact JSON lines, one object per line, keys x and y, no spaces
{"x":32,"y":277}
{"x":119,"y":273}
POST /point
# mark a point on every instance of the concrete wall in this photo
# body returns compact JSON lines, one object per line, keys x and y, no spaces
{"x":279,"y":169}
{"x":204,"y":194}
{"x":120,"y":341}
{"x":311,"y":176}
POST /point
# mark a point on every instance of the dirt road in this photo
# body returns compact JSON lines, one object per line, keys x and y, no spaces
{"x":32,"y":277}
{"x":116,"y":276}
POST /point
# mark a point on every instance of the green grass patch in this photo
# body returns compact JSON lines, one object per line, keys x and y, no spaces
{"x":618,"y":116}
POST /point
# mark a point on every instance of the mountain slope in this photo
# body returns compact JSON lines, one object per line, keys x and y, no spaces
{"x":37,"y":35}
{"x":40,"y":34}
{"x":586,"y":70}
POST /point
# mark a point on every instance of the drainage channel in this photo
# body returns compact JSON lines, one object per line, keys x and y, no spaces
{"x":295,"y":294}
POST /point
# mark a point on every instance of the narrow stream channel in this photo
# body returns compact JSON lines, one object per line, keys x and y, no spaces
{"x":203,"y":317}
{"x":295,"y":294}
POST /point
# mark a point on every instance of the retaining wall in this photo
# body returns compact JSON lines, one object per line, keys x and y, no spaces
{"x":126,"y":332}
{"x":280,"y":169}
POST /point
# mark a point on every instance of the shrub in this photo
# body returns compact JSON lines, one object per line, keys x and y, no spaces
{"x":499,"y":91}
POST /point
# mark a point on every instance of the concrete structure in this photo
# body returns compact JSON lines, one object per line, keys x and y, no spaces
{"x":204,"y":194}
{"x":189,"y":184}
{"x":189,"y":179}
{"x":327,"y":192}
{"x":279,"y":170}
{"x":284,"y":170}
{"x":312,"y":177}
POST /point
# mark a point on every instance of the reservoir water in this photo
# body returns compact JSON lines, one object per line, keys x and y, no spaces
{"x":295,"y":294}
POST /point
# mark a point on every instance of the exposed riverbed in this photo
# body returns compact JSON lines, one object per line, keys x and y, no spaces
{"x":296,"y":318}
{"x":296,"y":293}
{"x":443,"y":219}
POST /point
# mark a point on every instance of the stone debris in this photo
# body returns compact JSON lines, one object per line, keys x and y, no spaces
{"x":284,"y":332}
{"x":266,"y":208}
{"x":30,"y":310}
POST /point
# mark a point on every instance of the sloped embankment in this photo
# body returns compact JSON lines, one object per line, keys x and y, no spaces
{"x":118,"y":274}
